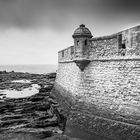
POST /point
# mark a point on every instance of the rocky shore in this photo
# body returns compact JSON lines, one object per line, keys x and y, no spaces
{"x":38,"y":117}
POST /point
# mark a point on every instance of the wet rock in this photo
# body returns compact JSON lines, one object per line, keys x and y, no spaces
{"x":9,"y":123}
{"x":52,"y":101}
{"x":4,"y":97}
{"x":46,"y":88}
{"x":52,"y":75}
{"x":2,"y":94}
{"x":36,"y":99}
{"x":10,"y":117}
{"x":34,"y":117}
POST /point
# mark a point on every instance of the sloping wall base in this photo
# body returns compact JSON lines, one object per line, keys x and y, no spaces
{"x":92,"y":123}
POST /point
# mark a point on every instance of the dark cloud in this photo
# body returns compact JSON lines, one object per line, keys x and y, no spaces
{"x":58,"y":14}
{"x":33,"y":13}
{"x":125,"y":5}
{"x":114,"y":7}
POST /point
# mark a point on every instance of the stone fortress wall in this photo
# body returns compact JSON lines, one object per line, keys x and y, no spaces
{"x":99,"y":79}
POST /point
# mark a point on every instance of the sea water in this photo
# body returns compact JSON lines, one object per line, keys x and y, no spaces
{"x":37,"y":69}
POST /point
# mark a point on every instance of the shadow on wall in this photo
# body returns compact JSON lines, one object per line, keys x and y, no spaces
{"x":77,"y":133}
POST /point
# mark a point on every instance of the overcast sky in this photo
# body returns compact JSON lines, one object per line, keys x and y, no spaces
{"x":33,"y":31}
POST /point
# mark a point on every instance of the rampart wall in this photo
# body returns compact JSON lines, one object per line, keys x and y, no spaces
{"x":104,"y":97}
{"x":108,"y":47}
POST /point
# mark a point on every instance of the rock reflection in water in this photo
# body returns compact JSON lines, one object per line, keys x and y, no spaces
{"x":21,"y":94}
{"x":21,"y":81}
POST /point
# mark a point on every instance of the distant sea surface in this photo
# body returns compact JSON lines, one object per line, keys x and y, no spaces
{"x":37,"y":69}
